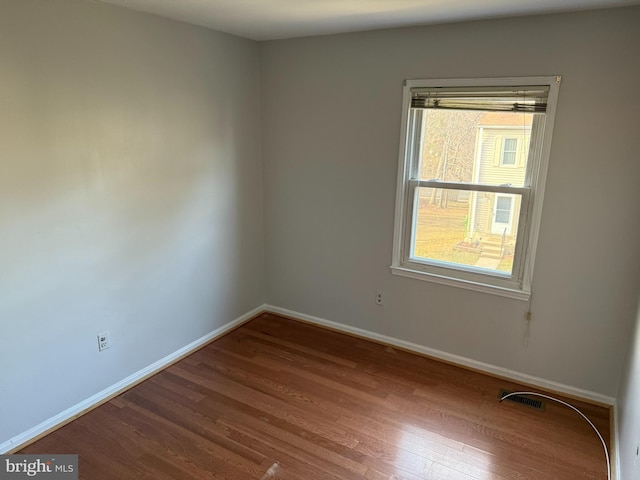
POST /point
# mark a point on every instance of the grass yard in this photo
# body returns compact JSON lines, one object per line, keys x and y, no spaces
{"x":506,"y":264}
{"x":440,"y":229}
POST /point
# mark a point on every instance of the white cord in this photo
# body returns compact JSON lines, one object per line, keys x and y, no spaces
{"x":604,"y":445}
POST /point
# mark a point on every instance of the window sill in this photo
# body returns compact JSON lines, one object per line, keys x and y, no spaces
{"x":460,"y":283}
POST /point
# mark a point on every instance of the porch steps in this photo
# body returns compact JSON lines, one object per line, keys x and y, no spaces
{"x":491,"y":249}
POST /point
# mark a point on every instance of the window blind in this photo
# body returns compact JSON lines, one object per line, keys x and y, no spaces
{"x":531,"y":99}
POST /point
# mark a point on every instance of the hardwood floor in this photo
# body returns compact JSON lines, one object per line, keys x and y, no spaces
{"x":280,"y":399}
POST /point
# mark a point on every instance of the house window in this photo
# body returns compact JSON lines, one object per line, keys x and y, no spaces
{"x":509,"y":151}
{"x":460,"y":218}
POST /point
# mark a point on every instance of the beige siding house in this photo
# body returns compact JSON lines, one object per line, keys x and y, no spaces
{"x":502,"y":145}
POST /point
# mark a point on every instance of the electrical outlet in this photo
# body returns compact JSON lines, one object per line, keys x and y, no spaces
{"x":103,"y":341}
{"x":379,"y":298}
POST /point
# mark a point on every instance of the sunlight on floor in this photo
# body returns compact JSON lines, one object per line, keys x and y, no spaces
{"x":422,"y":452}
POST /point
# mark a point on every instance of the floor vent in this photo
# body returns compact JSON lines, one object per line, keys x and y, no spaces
{"x":523,"y":400}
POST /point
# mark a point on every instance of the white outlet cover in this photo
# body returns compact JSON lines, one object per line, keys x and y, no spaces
{"x":103,"y":341}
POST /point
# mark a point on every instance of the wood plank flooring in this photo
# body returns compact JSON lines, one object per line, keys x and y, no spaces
{"x":280,"y":399}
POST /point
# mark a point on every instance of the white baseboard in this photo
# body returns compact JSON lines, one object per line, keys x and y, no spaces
{"x":451,"y":358}
{"x":60,"y":419}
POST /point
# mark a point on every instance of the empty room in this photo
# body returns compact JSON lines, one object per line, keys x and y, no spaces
{"x":310,"y":239}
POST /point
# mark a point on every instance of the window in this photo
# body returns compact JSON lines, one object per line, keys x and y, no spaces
{"x":461,"y":217}
{"x":509,"y":151}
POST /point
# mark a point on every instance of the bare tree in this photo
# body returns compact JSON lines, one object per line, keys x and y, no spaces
{"x":449,"y":139}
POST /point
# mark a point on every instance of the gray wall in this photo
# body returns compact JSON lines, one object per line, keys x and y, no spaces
{"x":130,"y":196}
{"x":629,"y":410}
{"x":331,"y":123}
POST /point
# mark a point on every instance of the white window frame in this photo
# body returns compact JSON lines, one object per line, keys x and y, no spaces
{"x":517,"y":285}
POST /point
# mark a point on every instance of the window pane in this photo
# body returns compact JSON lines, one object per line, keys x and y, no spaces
{"x":475,"y":146}
{"x":466,"y":228}
{"x":503,"y":209}
{"x":510,"y":144}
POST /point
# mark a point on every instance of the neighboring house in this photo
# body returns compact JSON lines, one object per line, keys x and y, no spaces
{"x":502,"y":145}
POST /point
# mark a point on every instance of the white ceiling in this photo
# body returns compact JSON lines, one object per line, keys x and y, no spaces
{"x":274,"y":19}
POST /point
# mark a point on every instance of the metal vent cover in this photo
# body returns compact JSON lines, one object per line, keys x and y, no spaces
{"x":523,"y":400}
